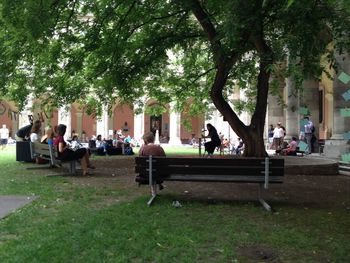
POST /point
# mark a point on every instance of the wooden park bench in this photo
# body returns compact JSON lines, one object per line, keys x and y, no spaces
{"x":263,"y":171}
{"x":344,"y":168}
{"x":49,"y":152}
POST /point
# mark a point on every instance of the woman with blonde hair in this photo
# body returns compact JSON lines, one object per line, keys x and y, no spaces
{"x":49,"y":135}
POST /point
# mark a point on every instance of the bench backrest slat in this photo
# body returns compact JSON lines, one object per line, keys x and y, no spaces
{"x":164,"y":170}
{"x":45,"y":151}
{"x":219,"y":162}
{"x":205,"y":169}
{"x":224,"y":178}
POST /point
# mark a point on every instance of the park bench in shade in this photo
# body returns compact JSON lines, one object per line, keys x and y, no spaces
{"x":49,"y":152}
{"x":262,"y":171}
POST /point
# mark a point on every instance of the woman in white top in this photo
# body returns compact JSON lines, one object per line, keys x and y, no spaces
{"x":278,"y":135}
{"x":36,"y":132}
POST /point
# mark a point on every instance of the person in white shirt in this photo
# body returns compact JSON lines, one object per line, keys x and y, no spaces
{"x":35,"y":132}
{"x":4,"y":136}
{"x":278,"y":135}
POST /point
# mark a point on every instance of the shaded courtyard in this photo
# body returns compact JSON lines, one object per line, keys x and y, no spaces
{"x":331,"y":191}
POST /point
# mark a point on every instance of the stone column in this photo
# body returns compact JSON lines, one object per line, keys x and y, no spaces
{"x":23,"y":115}
{"x":103,"y":124}
{"x":79,"y":116}
{"x":275,"y":112}
{"x":139,"y":127}
{"x":337,"y":146}
{"x":310,"y":99}
{"x":174,"y":127}
{"x":292,"y":116}
{"x":15,"y":122}
{"x":64,"y":117}
{"x":340,"y":124}
{"x":110,"y":126}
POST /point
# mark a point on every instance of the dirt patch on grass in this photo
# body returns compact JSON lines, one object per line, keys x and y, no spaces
{"x":258,"y":253}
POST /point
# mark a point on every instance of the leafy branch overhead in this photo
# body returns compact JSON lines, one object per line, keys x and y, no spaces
{"x":104,"y":51}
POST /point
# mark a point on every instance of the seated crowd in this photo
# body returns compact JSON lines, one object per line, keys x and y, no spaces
{"x":74,"y":149}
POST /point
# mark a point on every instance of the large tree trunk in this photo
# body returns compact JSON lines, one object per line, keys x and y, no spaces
{"x":252,"y":135}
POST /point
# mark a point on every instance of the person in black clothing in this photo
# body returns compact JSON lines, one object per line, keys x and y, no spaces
{"x":215,"y":140}
{"x":270,"y":134}
{"x":23,"y":134}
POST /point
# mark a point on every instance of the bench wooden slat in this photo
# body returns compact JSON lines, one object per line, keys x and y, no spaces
{"x":194,"y":168}
{"x":218,"y":162}
{"x":228,"y":170}
{"x":223,"y":178}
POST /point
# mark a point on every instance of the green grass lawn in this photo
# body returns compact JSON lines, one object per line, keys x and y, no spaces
{"x":72,"y":222}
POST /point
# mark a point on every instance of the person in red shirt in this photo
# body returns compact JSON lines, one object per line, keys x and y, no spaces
{"x":65,"y":153}
{"x":149,"y":148}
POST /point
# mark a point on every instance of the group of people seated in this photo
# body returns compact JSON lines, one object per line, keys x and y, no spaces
{"x":119,"y":145}
{"x":66,"y":152}
{"x":217,"y":141}
{"x":222,"y":143}
{"x":288,"y":148}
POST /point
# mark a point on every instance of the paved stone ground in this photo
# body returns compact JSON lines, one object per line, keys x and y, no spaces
{"x":10,"y":203}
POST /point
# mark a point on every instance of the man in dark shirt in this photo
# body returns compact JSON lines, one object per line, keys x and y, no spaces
{"x":23,"y":133}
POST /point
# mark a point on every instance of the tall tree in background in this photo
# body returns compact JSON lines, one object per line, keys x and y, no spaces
{"x":98,"y":51}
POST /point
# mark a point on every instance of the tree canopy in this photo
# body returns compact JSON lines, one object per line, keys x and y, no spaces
{"x":107,"y":50}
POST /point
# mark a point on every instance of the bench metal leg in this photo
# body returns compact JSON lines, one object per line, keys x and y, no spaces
{"x":72,"y":168}
{"x":265,"y":205}
{"x":153,"y":194}
{"x":262,"y":201}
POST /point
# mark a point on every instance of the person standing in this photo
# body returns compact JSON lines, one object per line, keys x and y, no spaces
{"x":308,"y":129}
{"x":278,"y":135}
{"x":270,"y":134}
{"x":4,"y":136}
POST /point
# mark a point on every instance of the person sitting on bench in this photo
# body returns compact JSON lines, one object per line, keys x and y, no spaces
{"x":67,"y":154}
{"x":48,"y":136}
{"x":149,"y":148}
{"x":35,"y":132}
{"x":101,"y":145}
